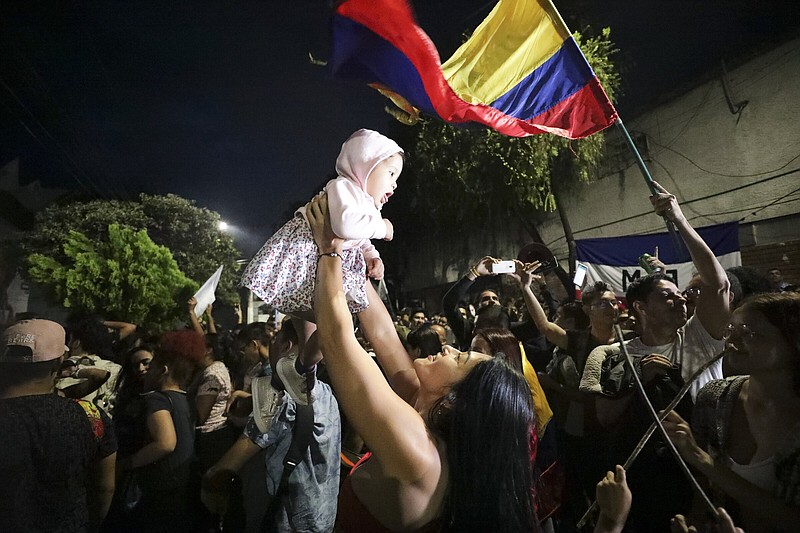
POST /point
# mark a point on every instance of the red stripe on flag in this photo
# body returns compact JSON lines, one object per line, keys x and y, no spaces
{"x":582,"y":114}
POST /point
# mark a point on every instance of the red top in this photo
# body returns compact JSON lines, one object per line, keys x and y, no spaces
{"x":354,"y":517}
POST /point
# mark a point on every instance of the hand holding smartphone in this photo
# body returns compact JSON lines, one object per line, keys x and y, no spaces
{"x":503,"y":267}
{"x":580,"y":275}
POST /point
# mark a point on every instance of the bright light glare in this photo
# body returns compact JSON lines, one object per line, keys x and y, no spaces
{"x":222,"y":225}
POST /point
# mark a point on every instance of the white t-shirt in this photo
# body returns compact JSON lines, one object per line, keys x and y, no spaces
{"x":692,"y":348}
{"x":216,"y":381}
{"x":105,"y":395}
{"x":761,"y":474}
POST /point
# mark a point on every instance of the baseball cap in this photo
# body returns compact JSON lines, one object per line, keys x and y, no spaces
{"x":33,"y":341}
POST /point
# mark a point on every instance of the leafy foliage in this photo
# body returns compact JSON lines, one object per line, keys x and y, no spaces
{"x":487,"y":176}
{"x":191,"y":233}
{"x":125,"y":276}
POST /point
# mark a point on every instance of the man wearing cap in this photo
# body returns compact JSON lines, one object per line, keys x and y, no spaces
{"x":57,"y":465}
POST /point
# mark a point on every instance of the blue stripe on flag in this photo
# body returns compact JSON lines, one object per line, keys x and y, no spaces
{"x":558,"y":78}
{"x":625,"y":250}
{"x":361,"y":54}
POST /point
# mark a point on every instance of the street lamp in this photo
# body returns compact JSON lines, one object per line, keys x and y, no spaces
{"x":222,"y":225}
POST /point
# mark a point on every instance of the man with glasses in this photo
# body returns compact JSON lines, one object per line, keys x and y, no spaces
{"x":669,"y":336}
{"x":695,"y":286}
{"x":672,"y":347}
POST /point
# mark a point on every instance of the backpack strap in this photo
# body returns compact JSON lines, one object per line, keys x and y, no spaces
{"x":301,"y":438}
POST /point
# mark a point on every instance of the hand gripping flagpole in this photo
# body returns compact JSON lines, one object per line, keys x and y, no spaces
{"x":657,"y":422}
{"x":652,"y":429}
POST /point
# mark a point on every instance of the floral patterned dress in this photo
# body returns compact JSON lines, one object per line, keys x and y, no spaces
{"x":283,"y":273}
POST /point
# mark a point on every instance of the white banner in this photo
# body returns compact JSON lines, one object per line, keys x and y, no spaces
{"x":615,"y":260}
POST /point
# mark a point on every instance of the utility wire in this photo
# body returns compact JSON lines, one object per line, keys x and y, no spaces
{"x":688,"y":202}
{"x":720,"y":174}
{"x":79,"y":147}
{"x":113,"y":89}
{"x":770,"y":204}
{"x":780,"y":201}
{"x":40,"y":141}
{"x":73,"y":163}
{"x":474,"y":13}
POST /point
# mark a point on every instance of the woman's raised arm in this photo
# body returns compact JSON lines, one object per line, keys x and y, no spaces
{"x":392,"y":429}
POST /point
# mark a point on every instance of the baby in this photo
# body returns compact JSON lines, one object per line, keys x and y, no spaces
{"x":283,"y":272}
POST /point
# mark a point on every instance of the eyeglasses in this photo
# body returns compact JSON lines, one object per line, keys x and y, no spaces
{"x":743,"y":331}
{"x":691,"y":292}
{"x":606,"y":304}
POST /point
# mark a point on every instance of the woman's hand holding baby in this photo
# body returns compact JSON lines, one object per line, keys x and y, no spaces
{"x":320,"y":223}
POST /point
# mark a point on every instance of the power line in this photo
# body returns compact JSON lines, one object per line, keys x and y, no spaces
{"x":688,"y":202}
{"x":720,"y":174}
{"x":779,"y":201}
{"x":40,"y":141}
{"x":83,"y":147}
{"x":89,"y":21}
{"x":476,"y":12}
{"x":770,"y":204}
{"x":52,"y":139}
{"x":79,"y":147}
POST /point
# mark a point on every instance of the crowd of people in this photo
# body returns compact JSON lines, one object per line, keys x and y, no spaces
{"x":497,"y":412}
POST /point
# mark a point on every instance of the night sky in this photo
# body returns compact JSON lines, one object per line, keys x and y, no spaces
{"x":216,"y":100}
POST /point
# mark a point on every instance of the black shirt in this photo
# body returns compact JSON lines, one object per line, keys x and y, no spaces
{"x":47,"y":446}
{"x":172,"y":471}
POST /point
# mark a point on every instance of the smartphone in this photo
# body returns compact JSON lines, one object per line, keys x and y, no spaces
{"x":503,"y":267}
{"x":580,"y":275}
{"x":546,"y":266}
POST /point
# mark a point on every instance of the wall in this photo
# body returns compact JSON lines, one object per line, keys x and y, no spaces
{"x":722,"y":166}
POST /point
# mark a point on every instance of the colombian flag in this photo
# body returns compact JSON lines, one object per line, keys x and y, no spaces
{"x":521,"y":72}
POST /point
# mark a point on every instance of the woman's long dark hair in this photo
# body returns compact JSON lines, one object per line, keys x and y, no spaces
{"x":782,"y":310}
{"x":486,"y":422}
{"x":127,"y":387}
{"x":502,"y":343}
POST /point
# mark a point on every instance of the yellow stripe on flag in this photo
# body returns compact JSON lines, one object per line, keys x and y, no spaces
{"x":517,"y":37}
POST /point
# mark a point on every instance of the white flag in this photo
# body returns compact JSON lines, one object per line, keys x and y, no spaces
{"x":205,"y":294}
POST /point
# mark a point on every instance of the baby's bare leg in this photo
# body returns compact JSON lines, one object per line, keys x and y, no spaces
{"x":308,"y":350}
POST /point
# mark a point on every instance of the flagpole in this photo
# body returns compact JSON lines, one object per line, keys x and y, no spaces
{"x":677,"y":242}
{"x":649,"y":433}
{"x":639,"y":161}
